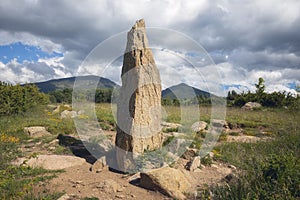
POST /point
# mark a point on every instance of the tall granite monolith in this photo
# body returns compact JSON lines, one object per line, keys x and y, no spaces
{"x":139,"y":103}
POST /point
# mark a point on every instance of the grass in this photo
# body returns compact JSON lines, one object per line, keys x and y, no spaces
{"x":270,"y":168}
{"x":18,"y":182}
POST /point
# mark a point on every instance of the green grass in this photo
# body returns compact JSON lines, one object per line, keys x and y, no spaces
{"x":270,"y":168}
{"x":18,"y":182}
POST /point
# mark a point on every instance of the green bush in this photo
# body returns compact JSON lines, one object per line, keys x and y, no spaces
{"x":15,"y":99}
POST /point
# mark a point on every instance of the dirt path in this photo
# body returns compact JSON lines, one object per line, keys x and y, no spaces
{"x":84,"y":183}
{"x":79,"y":182}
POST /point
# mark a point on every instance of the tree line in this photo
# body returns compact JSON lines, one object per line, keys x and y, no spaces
{"x":274,"y":99}
{"x":103,"y":95}
{"x":16,"y":99}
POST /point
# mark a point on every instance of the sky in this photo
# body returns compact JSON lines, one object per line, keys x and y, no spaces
{"x":42,"y":40}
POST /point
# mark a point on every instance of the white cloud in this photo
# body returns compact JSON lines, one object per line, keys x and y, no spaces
{"x":26,"y":72}
{"x":254,"y":39}
{"x":46,"y":45}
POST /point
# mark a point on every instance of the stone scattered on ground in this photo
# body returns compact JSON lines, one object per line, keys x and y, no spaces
{"x":167,"y":126}
{"x":36,"y":131}
{"x":199,"y":126}
{"x":190,"y":153}
{"x":194,"y":164}
{"x":219,"y":123}
{"x":59,"y":108}
{"x":69,"y":197}
{"x":166,"y":180}
{"x":99,"y":165}
{"x":109,"y":186}
{"x":51,"y":162}
{"x":66,"y":114}
{"x":251,"y":106}
{"x":243,"y":139}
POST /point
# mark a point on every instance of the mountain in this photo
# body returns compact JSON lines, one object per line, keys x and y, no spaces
{"x":183,"y":91}
{"x":85,"y":82}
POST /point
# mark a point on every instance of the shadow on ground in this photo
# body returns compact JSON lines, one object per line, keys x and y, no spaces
{"x":77,"y":147}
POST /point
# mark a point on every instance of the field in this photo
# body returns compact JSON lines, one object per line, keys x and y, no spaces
{"x":269,"y":168}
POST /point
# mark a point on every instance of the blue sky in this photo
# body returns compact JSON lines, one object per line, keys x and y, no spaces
{"x":22,"y":52}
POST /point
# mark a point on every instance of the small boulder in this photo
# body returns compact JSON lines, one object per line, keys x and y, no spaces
{"x":51,"y":162}
{"x":251,"y":106}
{"x":56,"y":110}
{"x":219,"y":123}
{"x":68,"y":114}
{"x":36,"y":131}
{"x":166,"y":126}
{"x":169,"y":181}
{"x":189,"y":154}
{"x":99,"y":165}
{"x":109,"y":186}
{"x":194,"y":164}
{"x":69,"y":197}
{"x":199,"y":126}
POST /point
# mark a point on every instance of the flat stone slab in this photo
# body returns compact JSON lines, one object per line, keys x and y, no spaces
{"x":36,"y":131}
{"x":51,"y":162}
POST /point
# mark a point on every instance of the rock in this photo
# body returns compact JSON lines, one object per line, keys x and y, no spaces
{"x":194,"y":164}
{"x":109,"y":186}
{"x":169,"y":181}
{"x":67,"y":107}
{"x":211,"y":154}
{"x":189,"y":154}
{"x":68,"y":197}
{"x":199,"y":126}
{"x":251,"y":106}
{"x":36,"y":131}
{"x":232,"y":167}
{"x":134,"y":177}
{"x":139,"y":102}
{"x":99,"y":165}
{"x":66,"y":114}
{"x":56,"y":110}
{"x":219,"y":123}
{"x":166,"y":126}
{"x":243,"y":139}
{"x":51,"y":162}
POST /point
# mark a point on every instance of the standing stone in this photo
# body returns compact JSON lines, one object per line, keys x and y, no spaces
{"x":139,"y":104}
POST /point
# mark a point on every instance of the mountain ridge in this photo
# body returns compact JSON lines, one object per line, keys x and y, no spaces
{"x":179,"y":91}
{"x":183,"y":91}
{"x":64,"y":83}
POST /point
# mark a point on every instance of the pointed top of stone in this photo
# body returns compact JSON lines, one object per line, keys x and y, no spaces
{"x":139,"y":24}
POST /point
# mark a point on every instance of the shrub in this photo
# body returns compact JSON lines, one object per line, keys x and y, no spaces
{"x":15,"y":99}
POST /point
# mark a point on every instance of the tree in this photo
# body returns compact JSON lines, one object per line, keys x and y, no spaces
{"x":260,"y":87}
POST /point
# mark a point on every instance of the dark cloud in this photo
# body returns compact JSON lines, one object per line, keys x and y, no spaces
{"x":255,"y":35}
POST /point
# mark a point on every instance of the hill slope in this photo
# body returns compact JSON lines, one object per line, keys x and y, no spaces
{"x":63,"y":83}
{"x":183,"y":91}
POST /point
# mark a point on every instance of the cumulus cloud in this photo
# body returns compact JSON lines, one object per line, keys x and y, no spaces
{"x":247,"y":39}
{"x":26,"y":72}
